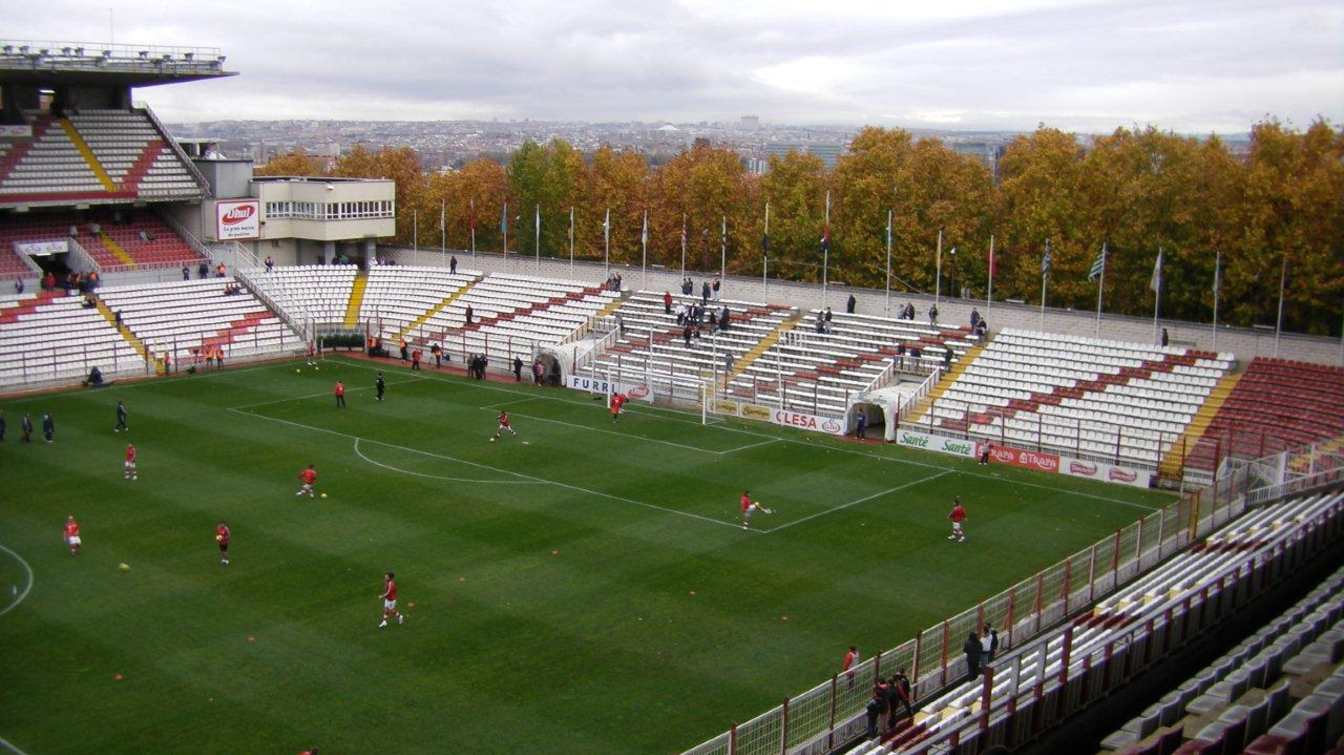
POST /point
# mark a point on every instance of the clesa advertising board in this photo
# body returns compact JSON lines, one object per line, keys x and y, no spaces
{"x":1095,"y":470}
{"x":237,"y":219}
{"x":811,"y":422}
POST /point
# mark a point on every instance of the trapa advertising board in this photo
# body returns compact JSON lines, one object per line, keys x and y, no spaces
{"x":238,"y":219}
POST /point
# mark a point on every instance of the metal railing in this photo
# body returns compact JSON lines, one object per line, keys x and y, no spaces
{"x":1025,"y":610}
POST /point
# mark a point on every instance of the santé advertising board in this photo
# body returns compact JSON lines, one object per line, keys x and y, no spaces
{"x":236,"y":220}
{"x":957,"y":446}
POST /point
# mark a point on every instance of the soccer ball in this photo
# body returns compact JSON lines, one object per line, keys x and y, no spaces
{"x":124,"y":566}
{"x":324,"y":495}
{"x":492,"y":440}
{"x":296,"y":371}
{"x":219,"y":538}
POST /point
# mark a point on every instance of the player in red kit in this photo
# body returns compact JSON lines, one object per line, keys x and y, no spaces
{"x":390,"y":600}
{"x":957,"y":515}
{"x":222,"y":535}
{"x":503,"y":425}
{"x":309,"y":478}
{"x":72,"y":539}
{"x":339,"y":392}
{"x":617,"y":401}
{"x":748,"y":507}
{"x":129,"y":466}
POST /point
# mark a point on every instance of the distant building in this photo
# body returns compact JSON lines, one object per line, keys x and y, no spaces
{"x":986,"y":153}
{"x":829,"y":153}
{"x":751,"y":122}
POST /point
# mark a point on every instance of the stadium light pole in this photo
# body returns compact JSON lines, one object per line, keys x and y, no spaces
{"x":571,"y":240}
{"x":1278,"y":323}
{"x":415,"y":236}
{"x":723,"y":251}
{"x":886,"y":305}
{"x":683,"y":246}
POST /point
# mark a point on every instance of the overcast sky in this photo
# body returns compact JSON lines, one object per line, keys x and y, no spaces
{"x":1087,"y":65}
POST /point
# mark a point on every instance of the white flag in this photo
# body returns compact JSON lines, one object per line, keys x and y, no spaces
{"x":1156,"y":283}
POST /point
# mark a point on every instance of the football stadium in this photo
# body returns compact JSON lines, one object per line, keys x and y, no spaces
{"x":319,"y":490}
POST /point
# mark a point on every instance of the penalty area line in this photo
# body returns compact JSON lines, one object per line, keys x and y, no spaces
{"x":857,"y":501}
{"x":8,"y":745}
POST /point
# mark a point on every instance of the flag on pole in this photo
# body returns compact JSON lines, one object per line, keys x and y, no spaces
{"x":471,"y":219}
{"x":606,"y":224}
{"x":443,"y":209}
{"x":992,"y":267}
{"x":1046,"y":261}
{"x":644,"y":233}
{"x":504,"y":220}
{"x":1156,"y":282}
{"x":765,"y":236}
{"x":826,"y":237}
{"x":1098,"y":265}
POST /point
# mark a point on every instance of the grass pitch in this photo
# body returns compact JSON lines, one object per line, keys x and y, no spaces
{"x":590,"y":591}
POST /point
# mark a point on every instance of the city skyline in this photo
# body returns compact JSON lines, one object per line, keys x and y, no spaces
{"x":1190,"y":66}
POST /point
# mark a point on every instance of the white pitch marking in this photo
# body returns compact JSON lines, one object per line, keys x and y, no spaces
{"x":617,"y":434}
{"x":8,"y":745}
{"x":27,"y":588}
{"x":361,"y":455}
{"x":543,"y":480}
{"x":857,"y":501}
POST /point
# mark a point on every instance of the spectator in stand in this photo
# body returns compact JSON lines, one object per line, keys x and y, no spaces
{"x":452,"y":265}
{"x":933,"y":314}
{"x":704,"y":292}
{"x":910,"y":311}
{"x":186,"y":273}
{"x":687,"y":287}
{"x":972,"y":650}
{"x":667,"y":303}
{"x":993,"y":642}
{"x":947,"y":358}
{"x":686,"y":335}
{"x":986,"y":647}
{"x":725,"y":318}
{"x":219,"y":270}
{"x":879,"y":705}
{"x":203,"y":270}
{"x":717,"y":285}
{"x":270,"y":263}
{"x":517,"y":369}
{"x":975,"y":317}
{"x":900,"y":355}
{"x":851,"y":304}
{"x":470,"y":314}
{"x":900,"y":689}
{"x":619,"y":282}
{"x":117,"y":321}
{"x":821,"y":324}
{"x":18,"y":285}
{"x":1165,"y":338}
{"x":982,"y":328}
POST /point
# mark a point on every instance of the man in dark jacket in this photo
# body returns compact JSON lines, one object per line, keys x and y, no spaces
{"x":877,"y":706}
{"x":470,"y":313}
{"x":972,"y":649}
{"x":517,"y":369}
{"x":849,"y":305}
{"x":900,"y":687}
{"x":380,"y":386}
{"x":48,"y":427}
{"x":26,"y":427}
{"x":704,"y":292}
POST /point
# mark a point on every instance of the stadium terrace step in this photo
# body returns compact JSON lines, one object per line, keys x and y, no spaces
{"x":98,"y":170}
{"x":111,"y":245}
{"x":1147,"y":369}
{"x":437,"y":308}
{"x":28,"y":306}
{"x":236,"y":328}
{"x":125,"y":332}
{"x":1170,"y":467}
{"x":20,"y":149}
{"x":945,"y":382}
{"x":532,"y":308}
{"x":140,"y":168}
{"x":356,"y":299}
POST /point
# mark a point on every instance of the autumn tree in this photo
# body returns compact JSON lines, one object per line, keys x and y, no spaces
{"x":296,"y":163}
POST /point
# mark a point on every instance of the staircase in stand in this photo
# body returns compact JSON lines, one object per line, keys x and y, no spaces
{"x":111,"y":245}
{"x":765,"y":345}
{"x":1170,"y":466}
{"x":92,"y":160}
{"x":125,"y":332}
{"x":437,"y":308}
{"x":949,"y":377}
{"x":141,"y":166}
{"x":356,"y":299}
{"x":28,"y":306}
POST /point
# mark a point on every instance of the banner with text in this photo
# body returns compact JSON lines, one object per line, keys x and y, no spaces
{"x":1096,"y":470}
{"x":955,"y":446}
{"x":1021,"y":457}
{"x":41,"y":248}
{"x":812,"y":422}
{"x":238,"y":220}
{"x":637,"y":391}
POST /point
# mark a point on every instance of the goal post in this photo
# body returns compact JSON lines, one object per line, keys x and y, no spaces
{"x":709,"y":397}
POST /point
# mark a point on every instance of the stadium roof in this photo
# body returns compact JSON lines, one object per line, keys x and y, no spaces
{"x":99,"y":64}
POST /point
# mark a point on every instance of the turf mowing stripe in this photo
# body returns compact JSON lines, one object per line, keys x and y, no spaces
{"x":142,"y":380}
{"x":413,"y":473}
{"x":857,"y":501}
{"x":795,"y":441}
{"x":627,"y":436}
{"x":322,"y":394}
{"x":8,"y":745}
{"x":27,"y":589}
{"x":751,"y":445}
{"x":556,"y":483}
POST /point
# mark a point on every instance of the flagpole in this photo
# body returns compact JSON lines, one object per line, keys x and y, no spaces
{"x":1278,"y":324}
{"x":683,"y":246}
{"x":606,"y":243}
{"x":1101,"y":286}
{"x":571,"y":240}
{"x":644,"y":243}
{"x":765,"y":257}
{"x":504,"y":229}
{"x":826,"y":253}
{"x":1045,"y":277}
{"x":1217,"y":284}
{"x":886,"y":303}
{"x":989,"y":292}
{"x":443,"y":228}
{"x":472,"y":221}
{"x":938,"y":276}
{"x":723,"y":250}
{"x":537,"y":233}
{"x":415,"y":236}
{"x":1157,"y":294}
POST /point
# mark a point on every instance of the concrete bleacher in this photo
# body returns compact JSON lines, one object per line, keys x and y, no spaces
{"x":49,"y":336}
{"x":512,"y":316}
{"x":191,"y":318}
{"x":133,"y":152}
{"x":651,"y":346}
{"x":316,"y":293}
{"x":140,"y":240}
{"x":398,"y":297}
{"x":822,"y":367}
{"x":1275,"y":404}
{"x":47,"y":163}
{"x":1134,"y":627}
{"x":1116,"y":401}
